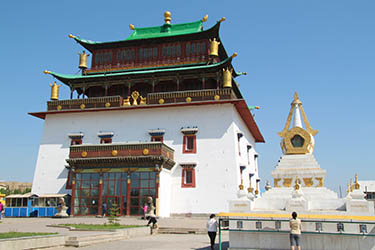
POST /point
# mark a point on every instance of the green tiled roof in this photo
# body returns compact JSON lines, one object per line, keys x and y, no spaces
{"x":155,"y":32}
{"x":67,"y":77}
{"x":166,"y":30}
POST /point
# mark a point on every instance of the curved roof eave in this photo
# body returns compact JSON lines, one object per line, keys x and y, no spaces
{"x":94,"y":45}
{"x":70,"y":79}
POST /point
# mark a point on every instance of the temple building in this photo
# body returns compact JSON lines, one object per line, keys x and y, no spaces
{"x":158,"y":114}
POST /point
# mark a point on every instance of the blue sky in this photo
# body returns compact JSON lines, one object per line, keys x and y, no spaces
{"x":325,"y":50}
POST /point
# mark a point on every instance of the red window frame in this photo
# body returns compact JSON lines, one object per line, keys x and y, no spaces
{"x":76,"y":142}
{"x":185,"y":173}
{"x":105,"y":140}
{"x":157,"y":138}
{"x":189,"y":144}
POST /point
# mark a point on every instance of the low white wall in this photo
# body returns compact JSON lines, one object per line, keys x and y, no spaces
{"x":32,"y":242}
{"x":280,"y":241}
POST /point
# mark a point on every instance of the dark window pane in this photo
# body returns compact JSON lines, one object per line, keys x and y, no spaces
{"x":190,"y":143}
{"x":178,"y":50}
{"x":188,"y":49}
{"x":203,"y":48}
{"x":155,"y":52}
{"x":189,"y":177}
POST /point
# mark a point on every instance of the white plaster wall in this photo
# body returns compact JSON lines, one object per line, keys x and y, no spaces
{"x":217,"y":170}
{"x":245,"y":159}
{"x":165,"y":193}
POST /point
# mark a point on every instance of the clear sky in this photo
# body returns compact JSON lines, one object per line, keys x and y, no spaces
{"x":323,"y":49}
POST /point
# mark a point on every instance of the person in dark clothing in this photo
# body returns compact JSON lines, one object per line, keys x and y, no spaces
{"x":104,"y":209}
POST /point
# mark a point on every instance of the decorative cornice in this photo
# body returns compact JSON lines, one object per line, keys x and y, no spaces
{"x":189,"y":131}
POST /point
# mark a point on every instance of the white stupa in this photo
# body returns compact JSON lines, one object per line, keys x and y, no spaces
{"x":298,"y":178}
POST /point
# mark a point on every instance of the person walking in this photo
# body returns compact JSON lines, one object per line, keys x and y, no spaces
{"x":1,"y":210}
{"x":150,"y":213}
{"x":212,"y":229}
{"x":295,"y":232}
{"x":104,"y":209}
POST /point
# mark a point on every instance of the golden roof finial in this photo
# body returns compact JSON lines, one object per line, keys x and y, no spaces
{"x":234,"y":54}
{"x":351,"y":185}
{"x":71,"y":36}
{"x":222,"y":19}
{"x":46,"y":72}
{"x":204,"y":19}
{"x":131,"y":26}
{"x":167,"y":17}
{"x":356,"y":184}
{"x":296,"y":99}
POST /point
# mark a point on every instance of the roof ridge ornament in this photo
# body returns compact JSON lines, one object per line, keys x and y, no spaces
{"x":204,"y":19}
{"x":71,"y":36}
{"x":131,"y":26}
{"x":167,"y":17}
{"x":222,"y":19}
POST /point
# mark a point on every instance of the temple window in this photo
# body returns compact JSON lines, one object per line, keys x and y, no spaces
{"x":188,"y":175}
{"x":239,"y":136}
{"x":76,"y":138}
{"x":157,"y":135}
{"x":195,"y":48}
{"x":248,"y":154}
{"x":171,"y":50}
{"x":189,"y":140}
{"x":105,"y":137}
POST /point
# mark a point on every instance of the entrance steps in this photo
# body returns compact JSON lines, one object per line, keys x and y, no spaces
{"x":79,"y":241}
{"x":180,"y":230}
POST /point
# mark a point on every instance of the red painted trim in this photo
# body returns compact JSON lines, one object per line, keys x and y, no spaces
{"x":183,"y":183}
{"x":73,"y":194}
{"x":240,"y":105}
{"x":105,"y":140}
{"x":157,"y":138}
{"x":100,"y":198}
{"x":185,"y":150}
{"x":68,"y":180}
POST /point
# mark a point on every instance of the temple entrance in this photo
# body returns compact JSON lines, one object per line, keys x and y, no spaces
{"x":115,"y":202}
{"x":143,"y":184}
{"x":116,"y":188}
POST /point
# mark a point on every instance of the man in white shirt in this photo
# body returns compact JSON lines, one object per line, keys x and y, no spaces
{"x":212,"y":228}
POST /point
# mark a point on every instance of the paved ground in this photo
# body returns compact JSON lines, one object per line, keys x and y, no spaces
{"x":157,"y":242}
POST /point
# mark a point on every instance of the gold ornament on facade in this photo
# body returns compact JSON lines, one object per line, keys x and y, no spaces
{"x":82,"y":106}
{"x":214,"y":47}
{"x":216,"y":97}
{"x":308,"y":182}
{"x":227,"y":78}
{"x":241,"y":187}
{"x":83,"y":60}
{"x":161,"y":101}
{"x":135,"y":96}
{"x":126,"y":102}
{"x":297,"y":186}
{"x":114,"y":152}
{"x":356,"y":184}
{"x":348,"y":189}
{"x":107,"y":104}
{"x":145,"y":151}
{"x":321,"y":181}
{"x":167,"y":17}
{"x":59,"y":107}
{"x":84,"y":154}
{"x":351,"y":185}
{"x":287,"y":140}
{"x":188,"y":99}
{"x":54,"y":91}
{"x":287,"y":182}
{"x":143,"y":100}
{"x":276,"y":182}
{"x":250,"y":189}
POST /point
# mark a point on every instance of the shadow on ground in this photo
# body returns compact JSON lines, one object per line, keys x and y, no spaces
{"x":224,"y":246}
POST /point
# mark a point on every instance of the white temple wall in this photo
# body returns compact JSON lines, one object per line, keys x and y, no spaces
{"x":217,"y":163}
{"x":247,"y":158}
{"x":165,"y":193}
